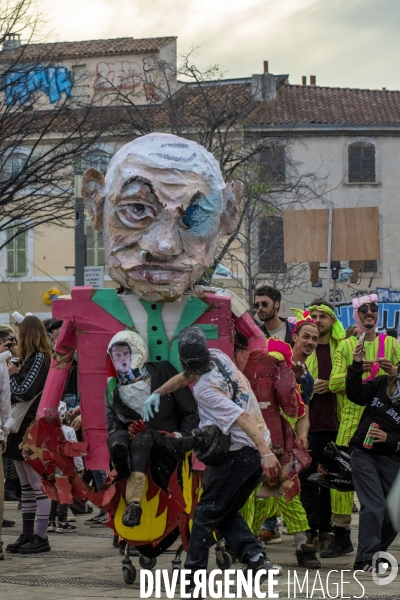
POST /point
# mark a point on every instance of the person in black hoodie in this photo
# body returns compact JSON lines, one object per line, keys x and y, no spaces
{"x":374,"y":470}
{"x":159,"y":443}
{"x":27,"y":381}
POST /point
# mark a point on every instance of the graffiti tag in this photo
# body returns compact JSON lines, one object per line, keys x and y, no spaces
{"x":21,"y":84}
{"x":122,"y":74}
{"x":389,"y":315}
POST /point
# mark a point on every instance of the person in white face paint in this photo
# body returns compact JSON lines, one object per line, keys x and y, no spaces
{"x":160,"y":442}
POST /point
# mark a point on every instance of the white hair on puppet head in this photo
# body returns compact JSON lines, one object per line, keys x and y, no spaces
{"x":165,"y":151}
{"x":139,"y":353}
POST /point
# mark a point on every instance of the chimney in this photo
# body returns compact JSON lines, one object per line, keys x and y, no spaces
{"x":265,"y":66}
{"x":11,"y":41}
{"x":313,"y":80}
{"x":304,"y":80}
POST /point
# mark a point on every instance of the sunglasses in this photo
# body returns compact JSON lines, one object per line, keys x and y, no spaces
{"x":257,"y":305}
{"x":366,"y":307}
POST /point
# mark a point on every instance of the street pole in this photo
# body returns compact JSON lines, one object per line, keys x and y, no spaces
{"x":328,"y":268}
{"x":80,"y":234}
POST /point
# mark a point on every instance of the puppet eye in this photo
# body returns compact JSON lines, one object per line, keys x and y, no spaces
{"x":195,"y":214}
{"x":134,"y":213}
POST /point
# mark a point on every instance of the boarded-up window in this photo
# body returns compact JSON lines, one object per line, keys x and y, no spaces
{"x":271,"y":245}
{"x":361,"y":162}
{"x":95,"y":248}
{"x":17,"y":264}
{"x":272,"y":164}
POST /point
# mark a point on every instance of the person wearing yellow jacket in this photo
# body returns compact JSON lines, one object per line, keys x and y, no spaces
{"x":323,"y":421}
{"x":382,"y":355}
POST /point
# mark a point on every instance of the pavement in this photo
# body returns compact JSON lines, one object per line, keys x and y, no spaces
{"x":84,"y":565}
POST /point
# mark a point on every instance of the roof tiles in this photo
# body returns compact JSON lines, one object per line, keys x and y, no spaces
{"x":306,"y":104}
{"x":65,"y":50}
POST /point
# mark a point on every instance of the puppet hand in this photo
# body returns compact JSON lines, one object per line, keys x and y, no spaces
{"x":152,"y":402}
{"x":136,"y":426}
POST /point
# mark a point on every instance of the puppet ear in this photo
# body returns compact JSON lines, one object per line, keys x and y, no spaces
{"x":93,"y":195}
{"x":232,"y":196}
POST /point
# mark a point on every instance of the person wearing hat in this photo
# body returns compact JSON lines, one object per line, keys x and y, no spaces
{"x":382,"y":354}
{"x":323,"y":420}
{"x":54,"y":330}
{"x":225,"y":400}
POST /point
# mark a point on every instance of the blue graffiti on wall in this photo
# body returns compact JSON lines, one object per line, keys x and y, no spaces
{"x":389,"y":315}
{"x":53,"y":81}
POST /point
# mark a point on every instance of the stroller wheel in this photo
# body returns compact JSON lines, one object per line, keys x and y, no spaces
{"x":128,"y":573}
{"x":147,"y":563}
{"x":223,"y":559}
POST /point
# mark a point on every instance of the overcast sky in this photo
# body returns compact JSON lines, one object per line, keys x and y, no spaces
{"x":346,"y":43}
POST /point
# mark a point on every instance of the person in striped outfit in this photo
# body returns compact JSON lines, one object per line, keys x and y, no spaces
{"x":382,"y":354}
{"x":323,"y":421}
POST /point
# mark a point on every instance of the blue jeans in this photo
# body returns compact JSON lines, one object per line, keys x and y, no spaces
{"x":99,"y":479}
{"x":270,"y":524}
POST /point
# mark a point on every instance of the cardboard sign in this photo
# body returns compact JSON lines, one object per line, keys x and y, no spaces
{"x":94,"y":277}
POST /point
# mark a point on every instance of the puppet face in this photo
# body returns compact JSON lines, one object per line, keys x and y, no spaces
{"x":127,"y":351}
{"x":121,"y":357}
{"x":164,"y":204}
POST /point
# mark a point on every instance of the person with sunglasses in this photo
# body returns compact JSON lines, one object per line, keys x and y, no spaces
{"x":382,"y":353}
{"x":267,"y":302}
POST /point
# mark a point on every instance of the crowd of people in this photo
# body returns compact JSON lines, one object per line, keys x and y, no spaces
{"x":345,"y":382}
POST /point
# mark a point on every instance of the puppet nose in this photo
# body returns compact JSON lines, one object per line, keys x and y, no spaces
{"x":164,"y":242}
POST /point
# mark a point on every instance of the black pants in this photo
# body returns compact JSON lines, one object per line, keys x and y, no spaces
{"x":373,"y":476}
{"x":151,"y":448}
{"x":226,"y":489}
{"x":62,"y":511}
{"x":316,"y":499}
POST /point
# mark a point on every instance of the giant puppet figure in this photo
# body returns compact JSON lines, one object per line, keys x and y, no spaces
{"x":162,"y":206}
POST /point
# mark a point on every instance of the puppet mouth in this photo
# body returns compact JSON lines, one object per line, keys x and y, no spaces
{"x":157,"y":274}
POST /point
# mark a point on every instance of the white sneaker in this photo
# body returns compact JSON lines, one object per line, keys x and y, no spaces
{"x":70,"y":516}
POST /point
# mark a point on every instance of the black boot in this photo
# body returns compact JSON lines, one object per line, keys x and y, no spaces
{"x":119,"y":457}
{"x":340,"y":543}
{"x":7,"y":523}
{"x":36,"y":545}
{"x":23,"y":539}
{"x":132,"y":515}
{"x":307,"y":558}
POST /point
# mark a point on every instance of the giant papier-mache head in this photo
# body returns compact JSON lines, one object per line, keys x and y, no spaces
{"x":162,"y":206}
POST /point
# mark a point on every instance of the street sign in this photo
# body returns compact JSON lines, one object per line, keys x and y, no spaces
{"x":94,"y":276}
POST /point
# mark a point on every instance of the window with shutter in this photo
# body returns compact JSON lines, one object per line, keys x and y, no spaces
{"x":17,"y":264}
{"x":98,"y":159}
{"x":362,"y":163}
{"x":95,"y":248}
{"x":272,"y":164}
{"x":271,"y":245}
{"x":370,"y":266}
